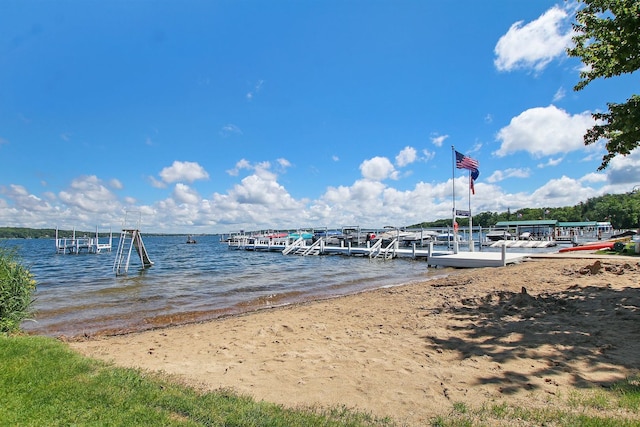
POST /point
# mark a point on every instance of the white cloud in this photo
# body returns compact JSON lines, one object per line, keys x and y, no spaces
{"x":377,"y":169}
{"x":498,"y":176}
{"x":625,"y":169}
{"x":116,"y":184}
{"x":157,"y":183}
{"x":534,"y":45}
{"x":240,"y":165}
{"x":428,"y":155}
{"x":544,"y":131}
{"x":230,"y":129}
{"x":89,"y":194}
{"x":183,"y":171}
{"x":594,"y":177}
{"x":551,"y":162}
{"x":184,"y":194}
{"x":437,"y":140}
{"x":560,"y":94}
{"x":23,"y":200}
{"x":284,"y":163}
{"x":256,"y":89}
{"x":406,"y":156}
{"x":555,"y":193}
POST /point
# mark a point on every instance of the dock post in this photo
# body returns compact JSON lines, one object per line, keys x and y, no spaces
{"x":504,"y":254}
{"x":414,"y":250}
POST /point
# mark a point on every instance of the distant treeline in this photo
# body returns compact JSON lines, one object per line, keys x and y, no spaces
{"x":622,"y":210}
{"x":50,"y":233}
{"x":41,"y":233}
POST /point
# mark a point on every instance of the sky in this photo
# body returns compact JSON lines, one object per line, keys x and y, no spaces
{"x":220,"y":116}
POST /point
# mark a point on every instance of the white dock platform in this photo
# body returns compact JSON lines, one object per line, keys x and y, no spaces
{"x":476,"y":259}
{"x":437,"y":258}
{"x":77,"y":245}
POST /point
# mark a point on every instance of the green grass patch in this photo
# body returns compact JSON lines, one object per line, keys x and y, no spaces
{"x":43,"y":382}
{"x":617,"y":406}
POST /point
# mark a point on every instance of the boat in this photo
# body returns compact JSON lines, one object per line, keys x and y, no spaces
{"x":589,"y":247}
{"x":190,"y":239}
{"x":497,"y":235}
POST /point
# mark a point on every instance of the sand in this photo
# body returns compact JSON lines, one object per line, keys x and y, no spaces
{"x":526,"y":334}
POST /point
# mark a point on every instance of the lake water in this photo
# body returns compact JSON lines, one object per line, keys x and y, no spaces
{"x":81,"y":295}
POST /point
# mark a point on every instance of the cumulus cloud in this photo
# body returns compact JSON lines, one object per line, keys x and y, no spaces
{"x":534,"y":45}
{"x":625,"y":169}
{"x":544,"y":131}
{"x":406,"y":156}
{"x":594,"y":177}
{"x":554,"y":192}
{"x":183,"y":171}
{"x":185,"y":194}
{"x":89,"y":194}
{"x":378,"y":169}
{"x":240,"y":165}
{"x":23,"y":200}
{"x":498,"y":175}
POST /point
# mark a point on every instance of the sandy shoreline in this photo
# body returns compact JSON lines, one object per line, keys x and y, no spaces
{"x":411,"y":352}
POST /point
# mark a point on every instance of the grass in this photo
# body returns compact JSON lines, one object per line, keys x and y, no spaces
{"x":617,"y":406}
{"x":43,"y":382}
{"x":16,"y":286}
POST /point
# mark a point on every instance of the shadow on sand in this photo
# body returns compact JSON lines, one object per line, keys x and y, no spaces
{"x":593,"y":326}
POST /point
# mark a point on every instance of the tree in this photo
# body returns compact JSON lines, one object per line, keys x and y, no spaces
{"x":607,"y":41}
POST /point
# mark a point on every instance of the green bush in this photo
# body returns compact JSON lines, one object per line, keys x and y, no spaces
{"x":16,"y":287}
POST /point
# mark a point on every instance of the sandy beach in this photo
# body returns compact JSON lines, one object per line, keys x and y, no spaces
{"x":526,"y":334}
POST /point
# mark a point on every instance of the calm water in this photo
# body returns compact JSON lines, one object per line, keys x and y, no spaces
{"x":80,"y":294}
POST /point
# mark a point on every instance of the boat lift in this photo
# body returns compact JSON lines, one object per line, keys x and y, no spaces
{"x":130,"y":238}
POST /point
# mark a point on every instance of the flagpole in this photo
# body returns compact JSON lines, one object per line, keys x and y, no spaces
{"x":470,"y":218}
{"x":453,"y":184}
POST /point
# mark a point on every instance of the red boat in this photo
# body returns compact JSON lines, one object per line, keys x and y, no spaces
{"x":590,"y":247}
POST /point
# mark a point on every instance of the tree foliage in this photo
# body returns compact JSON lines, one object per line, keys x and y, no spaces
{"x":607,"y":41}
{"x":622,"y":210}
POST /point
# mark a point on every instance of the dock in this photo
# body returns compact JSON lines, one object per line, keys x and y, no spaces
{"x":376,"y":250}
{"x":77,"y":245}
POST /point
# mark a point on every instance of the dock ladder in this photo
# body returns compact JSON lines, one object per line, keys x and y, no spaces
{"x":298,"y":245}
{"x":388,"y":252}
{"x":129,"y":239}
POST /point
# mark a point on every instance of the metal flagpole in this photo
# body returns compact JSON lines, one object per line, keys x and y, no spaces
{"x":453,"y":211}
{"x":470,"y":218}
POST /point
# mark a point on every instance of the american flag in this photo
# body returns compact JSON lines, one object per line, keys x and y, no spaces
{"x":466,"y":162}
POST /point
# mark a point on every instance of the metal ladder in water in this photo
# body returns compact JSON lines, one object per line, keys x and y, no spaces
{"x":129,"y":239}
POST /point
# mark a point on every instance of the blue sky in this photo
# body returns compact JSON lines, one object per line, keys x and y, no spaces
{"x":227,"y":115}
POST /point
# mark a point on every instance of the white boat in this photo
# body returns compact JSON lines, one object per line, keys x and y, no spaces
{"x":497,"y":235}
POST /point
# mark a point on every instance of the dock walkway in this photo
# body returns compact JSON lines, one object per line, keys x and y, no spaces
{"x":434,"y":257}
